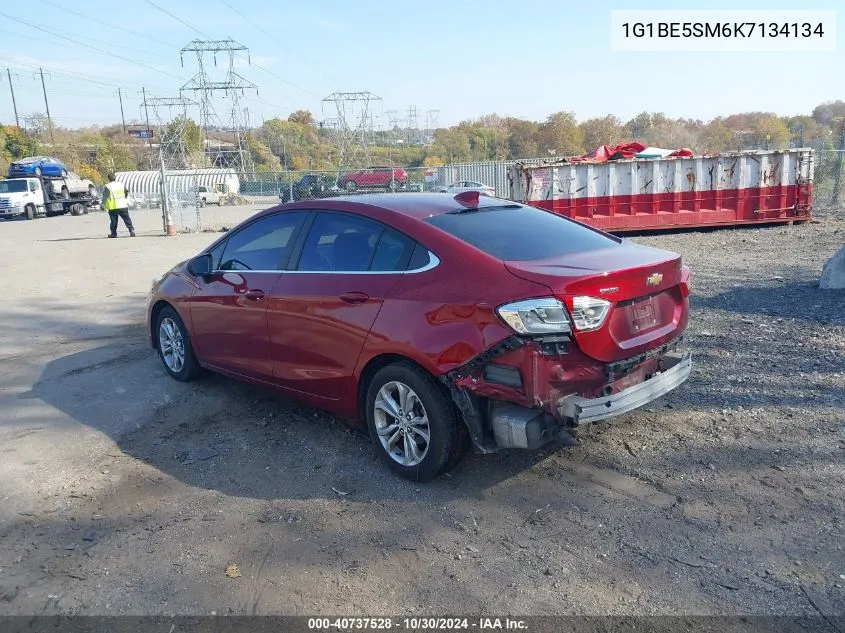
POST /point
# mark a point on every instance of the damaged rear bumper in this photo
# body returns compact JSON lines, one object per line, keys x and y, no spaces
{"x":674,"y":370}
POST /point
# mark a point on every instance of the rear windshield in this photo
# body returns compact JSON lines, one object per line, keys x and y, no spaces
{"x":516,"y":232}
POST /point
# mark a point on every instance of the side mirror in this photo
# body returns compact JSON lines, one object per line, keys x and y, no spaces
{"x":201,"y":265}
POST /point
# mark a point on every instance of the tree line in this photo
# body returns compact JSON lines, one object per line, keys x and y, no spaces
{"x":299,"y":142}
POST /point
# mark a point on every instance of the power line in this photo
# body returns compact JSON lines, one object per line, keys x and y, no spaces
{"x":28,"y":38}
{"x":178,"y":19}
{"x":108,"y":24}
{"x":112,"y":26}
{"x":285,"y":81}
{"x":279,"y":44}
{"x":75,"y":76}
{"x":196,"y":30}
{"x":93,"y":48}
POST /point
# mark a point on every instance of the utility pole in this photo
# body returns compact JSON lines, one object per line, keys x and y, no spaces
{"x":149,"y":129}
{"x":47,"y":105}
{"x":122,"y":118}
{"x":14,"y":103}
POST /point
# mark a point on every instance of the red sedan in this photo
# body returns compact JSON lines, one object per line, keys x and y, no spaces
{"x":441,"y":322}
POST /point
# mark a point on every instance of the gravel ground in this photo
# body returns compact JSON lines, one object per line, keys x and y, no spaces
{"x":122,"y":491}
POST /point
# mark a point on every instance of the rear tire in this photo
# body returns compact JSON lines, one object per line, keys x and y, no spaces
{"x":65,"y":193}
{"x":350,"y":186}
{"x":174,"y":346}
{"x":38,"y":172}
{"x":77,"y":209}
{"x":92,"y":192}
{"x":447,"y":436}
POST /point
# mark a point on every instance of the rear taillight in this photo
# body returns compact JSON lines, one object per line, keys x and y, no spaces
{"x":536,"y":316}
{"x":686,"y":281}
{"x":589,"y":313}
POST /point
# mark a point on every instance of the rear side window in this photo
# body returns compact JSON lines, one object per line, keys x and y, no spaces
{"x":516,"y":232}
{"x":340,"y":242}
{"x":392,"y":253}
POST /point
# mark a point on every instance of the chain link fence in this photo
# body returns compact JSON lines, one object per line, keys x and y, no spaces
{"x":208,"y":202}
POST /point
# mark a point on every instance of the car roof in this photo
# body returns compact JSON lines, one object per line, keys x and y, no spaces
{"x":418,"y":206}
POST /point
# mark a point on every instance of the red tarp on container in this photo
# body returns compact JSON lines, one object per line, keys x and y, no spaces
{"x":684,"y":152}
{"x":608,"y":152}
{"x":623,"y":150}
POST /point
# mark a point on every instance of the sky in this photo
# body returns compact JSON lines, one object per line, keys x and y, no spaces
{"x":525,"y":59}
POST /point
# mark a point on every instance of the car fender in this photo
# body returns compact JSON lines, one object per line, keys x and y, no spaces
{"x":438,"y":338}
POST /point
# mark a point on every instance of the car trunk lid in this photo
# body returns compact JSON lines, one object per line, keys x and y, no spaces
{"x":644,"y":286}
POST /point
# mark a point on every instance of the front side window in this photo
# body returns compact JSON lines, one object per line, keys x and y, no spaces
{"x":263,"y":245}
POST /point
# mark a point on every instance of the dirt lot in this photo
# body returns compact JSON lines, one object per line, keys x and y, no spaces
{"x":123,"y":491}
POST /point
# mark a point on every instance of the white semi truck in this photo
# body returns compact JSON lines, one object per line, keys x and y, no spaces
{"x":31,"y":196}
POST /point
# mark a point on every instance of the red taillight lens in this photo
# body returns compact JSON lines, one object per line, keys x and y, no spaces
{"x":686,"y":281}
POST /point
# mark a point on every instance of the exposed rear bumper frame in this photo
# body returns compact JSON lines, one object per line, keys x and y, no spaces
{"x":674,"y":370}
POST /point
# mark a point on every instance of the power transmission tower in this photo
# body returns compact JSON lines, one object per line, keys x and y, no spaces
{"x":431,"y":117}
{"x":236,"y":155}
{"x":393,"y":120}
{"x":413,"y":124}
{"x":172,"y":151}
{"x":171,"y":116}
{"x":355,"y":126}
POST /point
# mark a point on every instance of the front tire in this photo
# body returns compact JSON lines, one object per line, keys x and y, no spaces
{"x":412,"y":423}
{"x":29,"y":212}
{"x":174,"y":346}
{"x":350,"y":186}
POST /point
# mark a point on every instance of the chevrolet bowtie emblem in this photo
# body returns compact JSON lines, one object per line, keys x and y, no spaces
{"x":654,"y":279}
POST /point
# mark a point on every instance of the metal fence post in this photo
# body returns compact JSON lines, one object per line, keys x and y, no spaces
{"x":840,"y":158}
{"x":169,"y":229}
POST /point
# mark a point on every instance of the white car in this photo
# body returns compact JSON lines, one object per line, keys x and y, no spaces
{"x":73,"y":185}
{"x":469,"y":185}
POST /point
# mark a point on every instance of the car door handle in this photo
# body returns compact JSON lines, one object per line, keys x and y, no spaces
{"x":354,"y":297}
{"x":254,"y":295}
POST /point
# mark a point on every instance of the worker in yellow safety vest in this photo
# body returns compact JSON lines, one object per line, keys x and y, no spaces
{"x":115,"y":202}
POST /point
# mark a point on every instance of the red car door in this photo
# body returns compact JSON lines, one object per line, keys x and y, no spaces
{"x":321,"y":311}
{"x":229,"y":310}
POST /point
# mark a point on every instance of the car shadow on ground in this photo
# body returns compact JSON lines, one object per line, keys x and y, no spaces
{"x":220,"y":434}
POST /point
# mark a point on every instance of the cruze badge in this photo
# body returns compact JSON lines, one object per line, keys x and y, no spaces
{"x":654,"y":279}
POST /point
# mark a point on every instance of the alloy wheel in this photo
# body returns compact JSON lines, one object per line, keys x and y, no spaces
{"x":402,"y":423}
{"x":172,"y":345}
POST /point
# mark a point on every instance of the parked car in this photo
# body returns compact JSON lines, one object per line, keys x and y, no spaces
{"x":38,"y":166}
{"x":309,"y":186}
{"x":440,"y":322}
{"x":73,"y":185}
{"x":391,"y":178}
{"x":469,"y":185}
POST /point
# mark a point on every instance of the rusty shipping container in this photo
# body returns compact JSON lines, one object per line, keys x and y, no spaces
{"x":751,"y":187}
